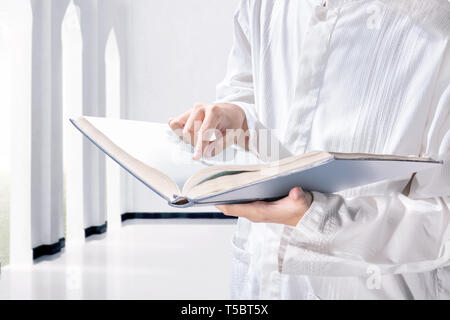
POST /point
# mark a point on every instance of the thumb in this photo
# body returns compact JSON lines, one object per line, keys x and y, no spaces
{"x":296,"y":193}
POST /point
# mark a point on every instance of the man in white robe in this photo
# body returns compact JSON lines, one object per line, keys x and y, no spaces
{"x":361,"y":76}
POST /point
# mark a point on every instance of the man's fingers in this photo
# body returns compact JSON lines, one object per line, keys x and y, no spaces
{"x":217,"y":146}
{"x":180,"y":121}
{"x":193,"y":124}
{"x":223,"y":141}
{"x":206,"y":131}
{"x":235,"y":210}
{"x":256,"y":211}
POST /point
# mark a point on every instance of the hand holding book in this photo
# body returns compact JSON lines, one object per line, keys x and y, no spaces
{"x":288,"y":210}
{"x":198,"y":125}
{"x":147,"y":152}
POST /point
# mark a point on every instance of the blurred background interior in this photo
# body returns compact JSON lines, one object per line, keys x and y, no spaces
{"x":133,"y":59}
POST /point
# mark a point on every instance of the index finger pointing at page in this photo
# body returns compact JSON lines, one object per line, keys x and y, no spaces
{"x":177,"y":124}
{"x":205,"y":133}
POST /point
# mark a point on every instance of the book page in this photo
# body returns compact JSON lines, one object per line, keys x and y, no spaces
{"x":155,"y":149}
{"x":224,"y":178}
{"x":157,"y":157}
{"x":331,"y":176}
{"x":122,"y":141}
{"x":152,"y":143}
{"x":229,"y":177}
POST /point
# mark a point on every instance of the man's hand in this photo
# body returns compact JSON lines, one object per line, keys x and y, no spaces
{"x":196,"y":126}
{"x":288,"y":210}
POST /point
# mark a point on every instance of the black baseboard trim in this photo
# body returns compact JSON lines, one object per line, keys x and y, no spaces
{"x":49,"y":249}
{"x":174,"y":215}
{"x":95,"y":230}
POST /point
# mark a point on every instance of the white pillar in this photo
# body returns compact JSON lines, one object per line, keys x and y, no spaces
{"x":37,"y":182}
{"x":20,"y":206}
{"x":112,"y":60}
{"x":73,"y":143}
{"x":122,"y":30}
{"x":94,"y":170}
{"x":46,"y":124}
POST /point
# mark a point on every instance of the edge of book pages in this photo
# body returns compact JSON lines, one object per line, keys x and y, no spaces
{"x":179,"y":201}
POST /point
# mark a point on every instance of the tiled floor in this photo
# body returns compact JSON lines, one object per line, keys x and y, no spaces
{"x":145,"y":259}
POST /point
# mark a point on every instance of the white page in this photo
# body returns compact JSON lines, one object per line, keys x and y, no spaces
{"x":333,"y":176}
{"x":156,"y":145}
{"x":152,"y":143}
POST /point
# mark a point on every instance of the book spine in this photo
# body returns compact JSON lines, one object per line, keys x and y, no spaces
{"x":181,"y":202}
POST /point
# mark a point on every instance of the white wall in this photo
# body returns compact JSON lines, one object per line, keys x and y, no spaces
{"x":6,"y":41}
{"x":179,"y":50}
{"x":178,"y":53}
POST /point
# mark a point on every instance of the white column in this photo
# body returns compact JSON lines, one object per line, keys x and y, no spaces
{"x":94,"y":171}
{"x":123,"y":32}
{"x":46,"y":123}
{"x":20,"y":206}
{"x":73,"y":143}
{"x":37,"y":180}
{"x":112,"y":60}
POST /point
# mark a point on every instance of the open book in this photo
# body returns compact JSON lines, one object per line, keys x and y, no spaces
{"x":153,"y":154}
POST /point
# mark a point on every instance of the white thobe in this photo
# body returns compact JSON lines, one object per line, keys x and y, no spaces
{"x":365,"y":76}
